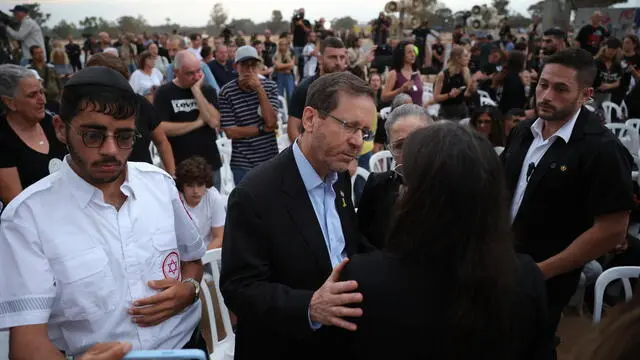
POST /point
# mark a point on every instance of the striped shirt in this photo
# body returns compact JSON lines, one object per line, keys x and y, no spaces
{"x":241,"y":108}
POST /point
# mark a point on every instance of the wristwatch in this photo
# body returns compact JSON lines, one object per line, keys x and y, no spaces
{"x":195,"y":284}
{"x":261,"y":129}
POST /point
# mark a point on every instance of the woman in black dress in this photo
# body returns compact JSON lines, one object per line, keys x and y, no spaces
{"x":449,"y":284}
{"x":29,"y":148}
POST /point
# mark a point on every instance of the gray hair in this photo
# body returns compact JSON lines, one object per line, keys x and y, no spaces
{"x":180,"y":58}
{"x":399,"y":100}
{"x":10,"y":77}
{"x":404,"y":111}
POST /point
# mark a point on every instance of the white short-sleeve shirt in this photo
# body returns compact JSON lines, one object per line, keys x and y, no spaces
{"x":76,"y":263}
{"x":140,"y":81}
{"x":209,"y":213}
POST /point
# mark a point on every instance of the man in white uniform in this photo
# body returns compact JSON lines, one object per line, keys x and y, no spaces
{"x":102,"y":250}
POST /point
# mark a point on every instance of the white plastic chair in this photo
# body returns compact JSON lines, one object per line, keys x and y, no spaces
{"x":483,"y":94}
{"x":624,"y":109}
{"x":226,"y":175}
{"x":381,"y":161}
{"x":155,"y":155}
{"x":360,"y":172}
{"x":617,"y":273}
{"x":283,"y":107}
{"x":608,"y":108}
{"x":485,"y":101}
{"x":222,"y":349}
{"x":384,"y":112}
{"x":624,"y":134}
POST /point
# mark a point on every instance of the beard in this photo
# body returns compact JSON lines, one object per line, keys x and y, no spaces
{"x":557,"y":114}
{"x":83,"y":168}
{"x":548,"y":51}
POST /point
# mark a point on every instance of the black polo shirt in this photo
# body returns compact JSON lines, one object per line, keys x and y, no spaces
{"x":222,"y":73}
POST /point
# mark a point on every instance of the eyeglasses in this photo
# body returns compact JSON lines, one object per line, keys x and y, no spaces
{"x":396,"y":147}
{"x":367,"y":134}
{"x":94,"y":139}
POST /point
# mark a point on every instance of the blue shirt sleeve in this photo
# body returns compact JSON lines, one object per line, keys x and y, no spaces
{"x":169,"y":76}
{"x":314,"y":325}
{"x":208,"y":77}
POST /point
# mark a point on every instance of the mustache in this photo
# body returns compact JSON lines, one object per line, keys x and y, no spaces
{"x":110,"y":160}
{"x":546,"y":104}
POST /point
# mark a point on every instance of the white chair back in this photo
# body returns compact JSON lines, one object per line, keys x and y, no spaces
{"x":483,"y":94}
{"x":360,"y":172}
{"x":624,"y":110}
{"x":617,"y":273}
{"x":284,"y":110}
{"x":222,"y":349}
{"x":155,"y":155}
{"x":381,"y":161}
{"x":226,"y":176}
{"x":624,"y":134}
{"x":608,"y":108}
{"x":485,"y":101}
{"x":634,"y":130}
{"x":384,"y":112}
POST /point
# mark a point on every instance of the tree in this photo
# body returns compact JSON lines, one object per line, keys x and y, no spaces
{"x":129,"y":24}
{"x":63,"y":29}
{"x":536,"y":9}
{"x":218,"y":16}
{"x":501,"y":6}
{"x":36,"y":14}
{"x":245,"y":25}
{"x":89,"y":25}
{"x":343,"y":23}
{"x":277,"y":24}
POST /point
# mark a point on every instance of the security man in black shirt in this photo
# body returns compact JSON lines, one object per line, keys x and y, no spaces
{"x":569,"y":178}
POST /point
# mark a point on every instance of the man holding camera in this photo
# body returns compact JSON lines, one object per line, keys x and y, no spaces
{"x":29,"y":33}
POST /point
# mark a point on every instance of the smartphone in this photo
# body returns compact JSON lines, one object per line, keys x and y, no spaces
{"x":166,"y":355}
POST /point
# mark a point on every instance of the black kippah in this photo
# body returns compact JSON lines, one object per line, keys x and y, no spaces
{"x":99,"y":76}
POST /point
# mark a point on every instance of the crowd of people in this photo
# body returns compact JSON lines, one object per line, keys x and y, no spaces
{"x":454,"y":253}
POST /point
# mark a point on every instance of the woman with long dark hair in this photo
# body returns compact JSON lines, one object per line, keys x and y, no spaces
{"x":404,"y":77}
{"x":449,"y":284}
{"x":513,"y":91}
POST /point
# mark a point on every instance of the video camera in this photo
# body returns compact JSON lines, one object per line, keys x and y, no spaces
{"x":297,"y":15}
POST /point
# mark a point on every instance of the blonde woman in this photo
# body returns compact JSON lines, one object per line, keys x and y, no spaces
{"x":454,"y":85}
{"x":284,"y":64}
{"x":60,"y":59}
{"x":609,"y":71}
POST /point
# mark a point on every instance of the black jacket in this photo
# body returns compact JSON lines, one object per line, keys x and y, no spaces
{"x":274,"y":257}
{"x":375,"y":210}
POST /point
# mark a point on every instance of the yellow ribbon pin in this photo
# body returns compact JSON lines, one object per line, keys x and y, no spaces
{"x":344,"y":203}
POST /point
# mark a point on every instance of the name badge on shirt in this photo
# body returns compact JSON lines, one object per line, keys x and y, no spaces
{"x":171,"y":266}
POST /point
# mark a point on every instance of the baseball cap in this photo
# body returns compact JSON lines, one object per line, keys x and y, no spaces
{"x":247,"y":52}
{"x":100,"y":76}
{"x":20,"y":8}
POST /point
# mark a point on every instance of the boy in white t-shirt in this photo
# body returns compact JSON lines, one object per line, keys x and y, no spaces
{"x":201,"y":199}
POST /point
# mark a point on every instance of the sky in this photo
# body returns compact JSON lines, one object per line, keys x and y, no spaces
{"x":196,"y":12}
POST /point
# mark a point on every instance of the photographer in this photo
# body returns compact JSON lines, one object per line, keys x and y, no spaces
{"x":29,"y":33}
{"x":300,"y":27}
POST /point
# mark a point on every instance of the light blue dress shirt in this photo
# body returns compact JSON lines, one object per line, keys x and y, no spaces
{"x":208,"y":76}
{"x":323,"y":199}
